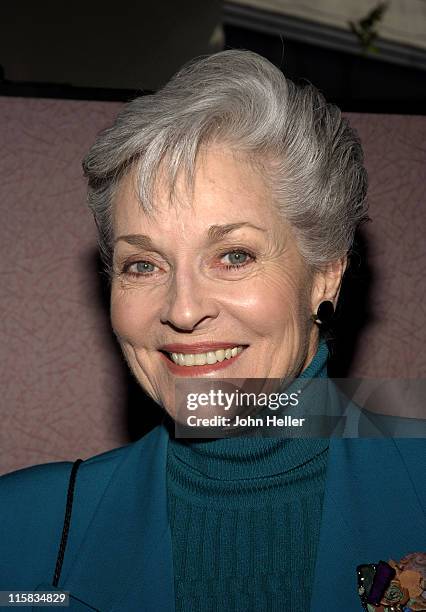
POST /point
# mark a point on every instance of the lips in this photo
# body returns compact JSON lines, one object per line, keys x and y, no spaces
{"x":198,"y":347}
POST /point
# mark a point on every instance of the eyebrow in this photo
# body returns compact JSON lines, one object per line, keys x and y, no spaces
{"x":218,"y":232}
{"x":215,"y":233}
{"x":139,"y":240}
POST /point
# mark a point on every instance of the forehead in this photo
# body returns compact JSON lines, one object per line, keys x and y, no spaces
{"x":227,"y":189}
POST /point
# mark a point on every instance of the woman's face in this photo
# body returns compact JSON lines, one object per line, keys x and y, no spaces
{"x":217,"y":272}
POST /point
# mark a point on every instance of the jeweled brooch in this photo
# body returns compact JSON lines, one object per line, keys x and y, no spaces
{"x":394,"y":586}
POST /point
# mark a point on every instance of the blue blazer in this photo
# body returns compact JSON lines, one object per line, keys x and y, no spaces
{"x":119,"y":554}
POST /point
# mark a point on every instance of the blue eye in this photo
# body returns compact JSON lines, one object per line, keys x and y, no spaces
{"x":143,"y":268}
{"x":237,"y":259}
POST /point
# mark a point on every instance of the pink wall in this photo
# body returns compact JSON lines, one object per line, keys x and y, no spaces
{"x":392,"y":344}
{"x":63,"y":393}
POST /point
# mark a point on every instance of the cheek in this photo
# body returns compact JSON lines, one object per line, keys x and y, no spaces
{"x":130,"y":317}
{"x":276,"y":304}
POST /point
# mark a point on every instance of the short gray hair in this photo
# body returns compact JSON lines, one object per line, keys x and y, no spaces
{"x":310,"y":157}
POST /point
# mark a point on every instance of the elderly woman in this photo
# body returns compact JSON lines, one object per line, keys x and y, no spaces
{"x":226,"y":206}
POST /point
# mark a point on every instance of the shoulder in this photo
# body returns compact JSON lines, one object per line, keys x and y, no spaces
{"x":408,"y":452}
{"x":47,"y":478}
{"x":396,"y":464}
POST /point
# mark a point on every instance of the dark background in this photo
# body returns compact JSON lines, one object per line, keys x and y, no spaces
{"x":106,"y":52}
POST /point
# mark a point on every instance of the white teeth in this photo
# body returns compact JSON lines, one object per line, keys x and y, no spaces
{"x":189,"y":360}
{"x":211,"y":357}
{"x":200,"y":358}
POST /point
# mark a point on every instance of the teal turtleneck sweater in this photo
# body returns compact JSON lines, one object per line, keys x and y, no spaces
{"x":245,"y":515}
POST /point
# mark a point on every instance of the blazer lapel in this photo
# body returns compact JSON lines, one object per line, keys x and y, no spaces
{"x":125,"y":559}
{"x":372,"y":511}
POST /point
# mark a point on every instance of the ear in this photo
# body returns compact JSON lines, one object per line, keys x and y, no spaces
{"x":327,"y":282}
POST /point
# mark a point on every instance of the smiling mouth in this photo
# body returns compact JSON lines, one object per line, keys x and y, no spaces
{"x":207,"y":358}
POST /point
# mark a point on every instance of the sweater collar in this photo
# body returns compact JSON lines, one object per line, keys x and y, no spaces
{"x":318,"y":366}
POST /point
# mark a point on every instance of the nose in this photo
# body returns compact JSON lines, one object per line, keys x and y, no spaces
{"x":189,"y":303}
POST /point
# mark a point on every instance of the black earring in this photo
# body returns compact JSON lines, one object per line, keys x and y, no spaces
{"x":324,"y":313}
